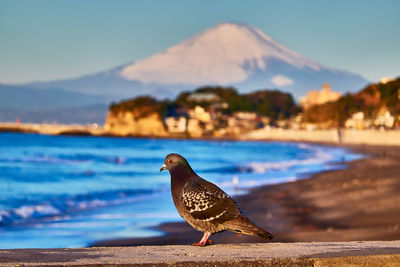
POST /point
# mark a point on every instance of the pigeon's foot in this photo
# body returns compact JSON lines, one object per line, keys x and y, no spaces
{"x":203,"y":243}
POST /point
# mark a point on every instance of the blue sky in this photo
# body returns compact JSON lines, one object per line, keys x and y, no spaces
{"x":55,"y":39}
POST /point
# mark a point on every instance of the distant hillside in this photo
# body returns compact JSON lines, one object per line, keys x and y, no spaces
{"x":228,"y":54}
{"x":140,"y":106}
{"x":28,"y":99}
{"x":369,"y":100}
{"x":50,"y":105}
{"x":271,"y":103}
{"x":77,"y":115}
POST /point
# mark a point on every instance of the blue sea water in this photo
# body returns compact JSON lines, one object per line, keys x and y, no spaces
{"x":59,"y":191}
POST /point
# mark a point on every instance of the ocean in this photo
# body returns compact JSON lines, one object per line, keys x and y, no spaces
{"x":70,"y":191}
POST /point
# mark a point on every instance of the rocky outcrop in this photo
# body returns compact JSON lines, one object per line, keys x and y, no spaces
{"x":125,"y":123}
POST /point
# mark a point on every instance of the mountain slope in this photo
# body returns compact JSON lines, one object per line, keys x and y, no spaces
{"x":217,"y":55}
{"x":82,"y":115}
{"x":227,"y":54}
{"x":26,"y":98}
{"x":238,"y":55}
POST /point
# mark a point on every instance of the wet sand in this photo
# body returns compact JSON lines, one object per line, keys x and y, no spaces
{"x":361,"y":202}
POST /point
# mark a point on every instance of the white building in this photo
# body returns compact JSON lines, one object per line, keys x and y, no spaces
{"x":200,"y":114}
{"x":176,"y":124}
{"x":356,"y":121}
{"x":385,"y":80}
{"x":384,"y":119}
{"x":319,"y":97}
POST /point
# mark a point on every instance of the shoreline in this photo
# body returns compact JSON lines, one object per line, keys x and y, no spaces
{"x":344,"y":137}
{"x":360,"y":202}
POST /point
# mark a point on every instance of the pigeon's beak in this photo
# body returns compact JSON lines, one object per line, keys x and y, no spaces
{"x":164,"y":167}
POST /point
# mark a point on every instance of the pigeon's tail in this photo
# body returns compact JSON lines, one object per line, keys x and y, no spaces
{"x":243,"y":225}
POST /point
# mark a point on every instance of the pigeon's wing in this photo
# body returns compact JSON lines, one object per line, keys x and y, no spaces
{"x":207,"y":202}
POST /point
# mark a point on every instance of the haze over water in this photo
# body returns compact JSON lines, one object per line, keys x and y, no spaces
{"x":58,"y":191}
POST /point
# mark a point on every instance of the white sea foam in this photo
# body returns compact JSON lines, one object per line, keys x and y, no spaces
{"x":319,"y":157}
{"x":30,"y":211}
{"x":61,"y":206}
{"x":80,"y":224}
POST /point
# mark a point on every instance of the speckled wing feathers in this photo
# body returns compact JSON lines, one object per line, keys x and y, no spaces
{"x":206,"y":202}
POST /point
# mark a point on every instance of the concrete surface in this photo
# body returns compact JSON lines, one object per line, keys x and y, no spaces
{"x":365,"y":253}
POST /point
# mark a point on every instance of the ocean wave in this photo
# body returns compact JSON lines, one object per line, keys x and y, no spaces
{"x":246,"y":184}
{"x":39,"y":158}
{"x":319,"y":157}
{"x":66,"y":204}
{"x":225,"y":169}
{"x":316,"y":156}
{"x":74,"y":159}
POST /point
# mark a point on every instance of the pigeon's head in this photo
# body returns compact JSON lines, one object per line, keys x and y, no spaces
{"x":172,"y":160}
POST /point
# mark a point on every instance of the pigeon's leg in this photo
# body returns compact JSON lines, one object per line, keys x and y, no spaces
{"x":204,"y":241}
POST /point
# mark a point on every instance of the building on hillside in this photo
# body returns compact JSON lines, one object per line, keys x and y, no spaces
{"x":385,"y":80}
{"x":204,"y":117}
{"x":203,"y":97}
{"x":241,"y":115}
{"x":176,"y":124}
{"x":242,"y":122}
{"x":200,"y":113}
{"x":195,"y":128}
{"x":384,"y":119}
{"x":356,"y":121}
{"x":176,"y":120}
{"x":319,"y":97}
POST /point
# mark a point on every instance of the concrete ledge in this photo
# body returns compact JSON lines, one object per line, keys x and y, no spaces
{"x":366,"y":253}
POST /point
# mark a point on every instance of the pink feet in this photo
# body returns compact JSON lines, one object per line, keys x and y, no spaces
{"x":203,"y":243}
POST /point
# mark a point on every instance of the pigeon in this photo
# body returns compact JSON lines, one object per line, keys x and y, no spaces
{"x":204,"y":205}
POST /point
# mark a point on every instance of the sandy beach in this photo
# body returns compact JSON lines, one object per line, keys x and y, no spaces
{"x":361,"y":202}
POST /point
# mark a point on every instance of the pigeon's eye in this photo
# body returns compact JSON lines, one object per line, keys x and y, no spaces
{"x":170,"y":161}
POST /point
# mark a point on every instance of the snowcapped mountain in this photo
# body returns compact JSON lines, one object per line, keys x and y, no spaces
{"x":239,"y":55}
{"x":217,"y":56}
{"x":231,"y":54}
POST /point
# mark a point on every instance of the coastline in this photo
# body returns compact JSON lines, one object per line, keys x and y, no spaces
{"x":330,"y":136}
{"x":361,"y":202}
